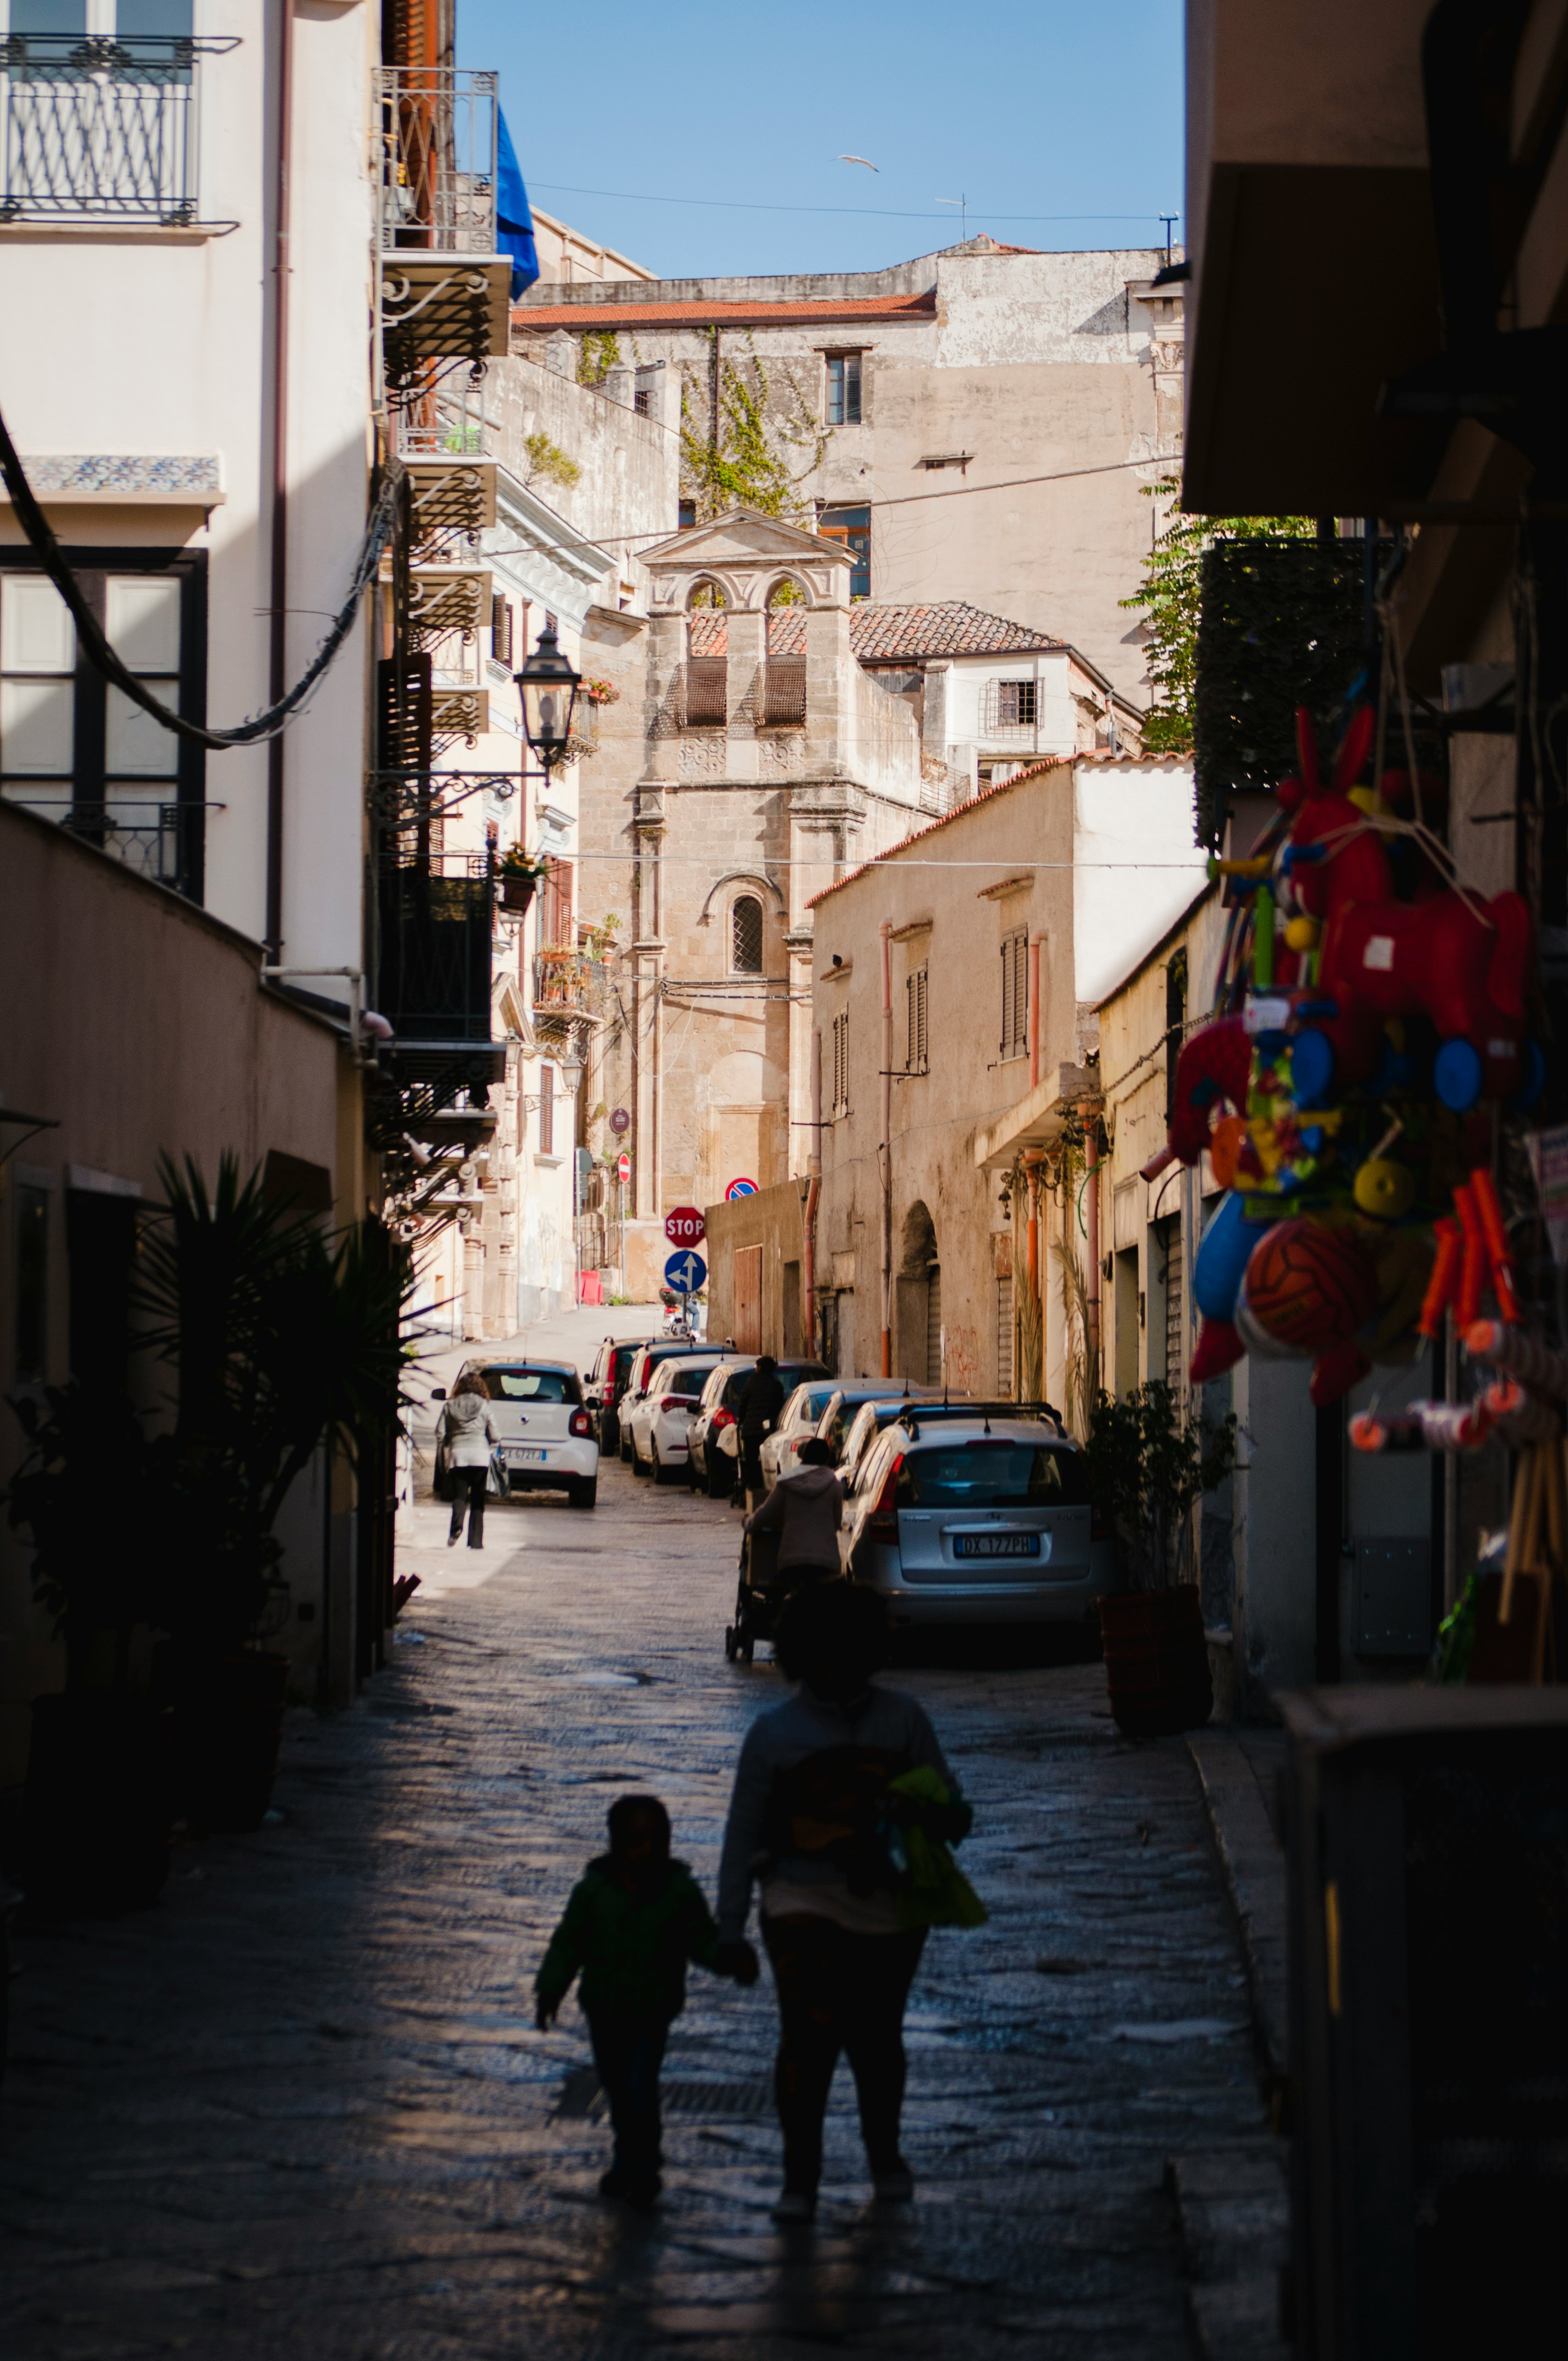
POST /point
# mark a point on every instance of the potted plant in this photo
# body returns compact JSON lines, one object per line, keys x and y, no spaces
{"x":96,"y":1804}
{"x":520,"y":875}
{"x":1151,"y":1459}
{"x":284,"y":1341}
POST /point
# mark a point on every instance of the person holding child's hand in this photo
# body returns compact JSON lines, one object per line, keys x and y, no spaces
{"x":634,"y":1919}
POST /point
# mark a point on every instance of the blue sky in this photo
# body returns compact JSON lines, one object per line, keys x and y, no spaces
{"x":1028,"y":107}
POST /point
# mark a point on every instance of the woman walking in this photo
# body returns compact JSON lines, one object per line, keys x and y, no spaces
{"x":813,"y":1816}
{"x":470,"y":1433}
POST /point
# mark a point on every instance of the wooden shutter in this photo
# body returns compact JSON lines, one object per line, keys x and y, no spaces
{"x":547,"y":1110}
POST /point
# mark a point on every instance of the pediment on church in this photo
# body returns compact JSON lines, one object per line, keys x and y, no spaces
{"x":741,"y":540}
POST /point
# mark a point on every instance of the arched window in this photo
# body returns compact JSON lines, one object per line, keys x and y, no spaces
{"x":746,"y":936}
{"x":705,"y":596}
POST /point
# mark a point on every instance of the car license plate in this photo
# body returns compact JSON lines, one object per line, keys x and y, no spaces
{"x":997,"y":1545}
{"x":519,"y":1451}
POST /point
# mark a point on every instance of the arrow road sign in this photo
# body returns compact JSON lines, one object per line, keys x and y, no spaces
{"x":686,"y":1273}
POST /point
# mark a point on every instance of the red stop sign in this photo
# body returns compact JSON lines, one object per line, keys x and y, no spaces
{"x":684,"y":1226}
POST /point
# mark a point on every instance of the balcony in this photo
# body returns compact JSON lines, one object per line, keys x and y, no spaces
{"x":433,"y":968}
{"x":444,"y":289}
{"x":96,"y":128}
{"x":158,"y":839}
{"x":569,"y":989}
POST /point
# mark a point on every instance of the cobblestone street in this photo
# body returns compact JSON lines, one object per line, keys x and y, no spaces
{"x":300,"y":2108}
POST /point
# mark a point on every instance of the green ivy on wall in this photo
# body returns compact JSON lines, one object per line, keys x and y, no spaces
{"x":769,"y":441}
{"x":599,"y":354}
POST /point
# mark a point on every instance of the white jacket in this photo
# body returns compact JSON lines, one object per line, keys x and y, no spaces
{"x":470,"y":1431}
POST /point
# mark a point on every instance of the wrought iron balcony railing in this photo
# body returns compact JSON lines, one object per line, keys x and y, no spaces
{"x":159,"y":839}
{"x":435,"y":138}
{"x":98,"y":126}
{"x":433,"y":967}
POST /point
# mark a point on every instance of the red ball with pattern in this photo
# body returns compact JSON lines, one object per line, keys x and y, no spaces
{"x":1309,"y":1285}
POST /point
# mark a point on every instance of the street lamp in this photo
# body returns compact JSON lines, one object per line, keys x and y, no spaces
{"x":548,"y":687}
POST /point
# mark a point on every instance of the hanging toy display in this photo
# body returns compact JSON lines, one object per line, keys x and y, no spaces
{"x":1371,"y":1015}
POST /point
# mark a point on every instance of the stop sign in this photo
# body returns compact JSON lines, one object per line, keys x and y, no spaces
{"x":684,"y":1226}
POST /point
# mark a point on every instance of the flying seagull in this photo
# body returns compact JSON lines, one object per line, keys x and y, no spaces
{"x":860,"y":160}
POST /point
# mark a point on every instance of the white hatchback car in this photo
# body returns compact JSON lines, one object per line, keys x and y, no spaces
{"x":547,"y":1439}
{"x":798,"y":1423}
{"x":658,"y":1420}
{"x":977,"y":1518}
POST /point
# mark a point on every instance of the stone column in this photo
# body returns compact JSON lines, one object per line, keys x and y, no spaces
{"x":747,"y":635}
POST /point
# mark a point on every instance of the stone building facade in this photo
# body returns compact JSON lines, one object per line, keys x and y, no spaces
{"x":977,"y":425}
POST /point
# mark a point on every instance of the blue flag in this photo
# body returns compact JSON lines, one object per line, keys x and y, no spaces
{"x":514,"y":223}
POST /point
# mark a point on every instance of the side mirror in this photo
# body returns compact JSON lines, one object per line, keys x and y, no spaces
{"x":438,"y":1393}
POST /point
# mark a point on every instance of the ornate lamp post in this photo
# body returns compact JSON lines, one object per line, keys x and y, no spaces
{"x":548,"y":687}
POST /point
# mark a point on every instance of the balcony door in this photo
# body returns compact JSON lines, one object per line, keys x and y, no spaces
{"x":96,"y":98}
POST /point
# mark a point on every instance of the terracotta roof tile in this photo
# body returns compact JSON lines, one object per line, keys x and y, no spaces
{"x":882,"y":634}
{"x":543,"y":319}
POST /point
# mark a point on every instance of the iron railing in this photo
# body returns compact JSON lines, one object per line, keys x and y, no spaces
{"x":161,"y":841}
{"x":435,"y":159}
{"x":432,"y":966}
{"x":100,"y":127}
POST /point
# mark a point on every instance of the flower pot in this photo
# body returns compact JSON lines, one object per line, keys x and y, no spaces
{"x":1157,"y":1661}
{"x":517,"y":893}
{"x":96,"y":1808}
{"x":228,"y":1722}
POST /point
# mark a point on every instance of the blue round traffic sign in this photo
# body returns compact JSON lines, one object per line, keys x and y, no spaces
{"x":741,"y":1188}
{"x":686,"y":1273}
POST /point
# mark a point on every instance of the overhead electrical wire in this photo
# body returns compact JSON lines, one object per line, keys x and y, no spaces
{"x":100,"y":655}
{"x":872,"y":213}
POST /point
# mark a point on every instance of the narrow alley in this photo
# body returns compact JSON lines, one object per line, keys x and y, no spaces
{"x":301,"y":2107}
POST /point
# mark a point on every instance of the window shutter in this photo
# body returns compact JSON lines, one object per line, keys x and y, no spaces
{"x":500,"y":628}
{"x":547,"y":1111}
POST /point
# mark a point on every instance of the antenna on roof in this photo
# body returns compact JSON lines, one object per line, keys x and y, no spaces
{"x":1169,"y":220}
{"x":962,"y":203}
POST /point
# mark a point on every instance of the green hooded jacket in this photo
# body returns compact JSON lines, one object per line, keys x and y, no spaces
{"x":632,"y":1950}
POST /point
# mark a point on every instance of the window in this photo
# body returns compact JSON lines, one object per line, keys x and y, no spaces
{"x":114,"y":137}
{"x":75,"y":750}
{"x":1015,"y":992}
{"x":843,"y":388}
{"x":841,"y":1064}
{"x":916,"y":1054}
{"x":746,"y":936}
{"x":643,"y":399}
{"x":852,"y":527}
{"x":556,"y":929}
{"x":530,"y":1385}
{"x":685,"y":516}
{"x":1010,"y":705}
{"x":993,"y":1475}
{"x":500,"y":629}
{"x":547,"y":1110}
{"x":1004,"y":1334}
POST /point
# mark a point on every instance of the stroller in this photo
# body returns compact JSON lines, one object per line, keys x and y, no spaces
{"x":760,"y":1596}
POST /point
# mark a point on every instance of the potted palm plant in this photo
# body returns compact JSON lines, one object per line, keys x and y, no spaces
{"x":1151,"y":1459}
{"x":87,"y":1498}
{"x":284,"y":1341}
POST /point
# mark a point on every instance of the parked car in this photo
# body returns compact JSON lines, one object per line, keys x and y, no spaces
{"x":712,"y":1442}
{"x":659,"y":1418}
{"x":977,"y":1518}
{"x":850,"y":1395}
{"x":797,"y":1424}
{"x":645,"y":1360}
{"x":608,"y":1381}
{"x":547,"y":1440}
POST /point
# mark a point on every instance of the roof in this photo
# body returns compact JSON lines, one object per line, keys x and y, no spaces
{"x":883,"y":634}
{"x":1101,"y":754}
{"x":757,"y":312}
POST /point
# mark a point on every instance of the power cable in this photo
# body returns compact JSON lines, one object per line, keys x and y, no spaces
{"x":871,"y":213}
{"x":101,"y":656}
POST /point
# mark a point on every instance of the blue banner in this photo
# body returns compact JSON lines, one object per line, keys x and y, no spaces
{"x":514,"y":222}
